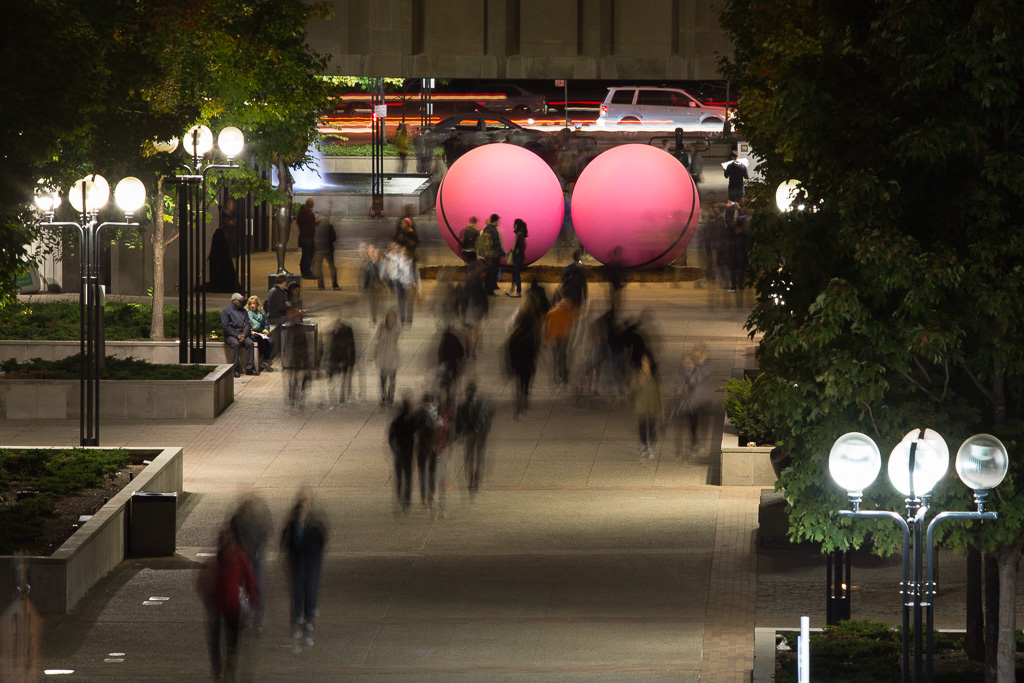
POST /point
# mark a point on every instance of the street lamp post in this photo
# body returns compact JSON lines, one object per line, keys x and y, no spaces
{"x":88,"y":196}
{"x":916,"y":465}
{"x":191,"y":211}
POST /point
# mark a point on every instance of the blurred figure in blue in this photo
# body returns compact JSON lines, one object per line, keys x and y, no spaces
{"x":302,"y":541}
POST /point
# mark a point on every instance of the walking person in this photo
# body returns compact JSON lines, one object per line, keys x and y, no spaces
{"x":385,"y":355}
{"x":250,"y":526}
{"x":225,"y":585}
{"x":302,"y":541}
{"x":473,"y":423}
{"x":523,"y":345}
{"x":696,"y":167}
{"x":647,"y":403}
{"x":428,"y":425}
{"x":402,"y":441}
{"x":518,"y":256}
{"x":340,"y":358}
{"x":402,"y":146}
{"x":373,"y":282}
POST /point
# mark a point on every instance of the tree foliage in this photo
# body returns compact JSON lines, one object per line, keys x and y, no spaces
{"x":897,"y":301}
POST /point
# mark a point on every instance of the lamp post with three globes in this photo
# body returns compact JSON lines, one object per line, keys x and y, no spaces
{"x":916,"y":465}
{"x":88,"y":196}
{"x":191,"y":212}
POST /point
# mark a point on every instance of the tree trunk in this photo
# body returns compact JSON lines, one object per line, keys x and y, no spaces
{"x":992,"y":622}
{"x":974,"y":643}
{"x":156,"y":326}
{"x":1007,"y":655}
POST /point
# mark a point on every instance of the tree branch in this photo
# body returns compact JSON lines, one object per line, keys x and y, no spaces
{"x":872,"y":416}
{"x":921,"y":367}
{"x":920,"y":386}
{"x":985,"y":392}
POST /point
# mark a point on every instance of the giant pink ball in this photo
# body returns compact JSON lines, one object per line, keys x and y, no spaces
{"x":639,"y":198}
{"x":510,"y":181}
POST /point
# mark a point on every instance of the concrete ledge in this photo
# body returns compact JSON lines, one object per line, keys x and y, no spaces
{"x":60,"y":580}
{"x":58,"y":399}
{"x":744,"y":465}
{"x":163,"y":352}
{"x":333,"y":164}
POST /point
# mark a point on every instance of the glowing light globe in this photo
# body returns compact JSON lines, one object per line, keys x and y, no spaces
{"x":639,"y":198}
{"x":507,"y":180}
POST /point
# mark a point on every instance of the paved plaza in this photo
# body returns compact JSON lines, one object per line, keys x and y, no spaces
{"x":576,"y":561}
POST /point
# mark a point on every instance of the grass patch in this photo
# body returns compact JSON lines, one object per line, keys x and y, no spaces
{"x":116,"y":368}
{"x":59,"y":321}
{"x":330,"y":150}
{"x":43,"y":476}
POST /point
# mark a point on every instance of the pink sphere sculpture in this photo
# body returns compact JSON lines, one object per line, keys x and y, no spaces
{"x":507,"y":180}
{"x":639,"y":198}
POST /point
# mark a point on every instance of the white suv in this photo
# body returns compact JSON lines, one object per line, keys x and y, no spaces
{"x":633,"y":108}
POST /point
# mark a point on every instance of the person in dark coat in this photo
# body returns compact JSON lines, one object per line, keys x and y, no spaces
{"x":307,"y":238}
{"x":302,"y":542}
{"x":574,"y":280}
{"x":251,"y":527}
{"x":450,"y":357}
{"x":523,"y":345}
{"x":402,"y":440}
{"x":473,"y":423}
{"x":340,"y":357}
{"x":428,"y":425}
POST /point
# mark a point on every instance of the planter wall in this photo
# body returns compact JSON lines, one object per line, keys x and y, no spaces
{"x":162,"y":352}
{"x":364,"y":164}
{"x":744,"y":465}
{"x":60,"y":580}
{"x":58,"y":399}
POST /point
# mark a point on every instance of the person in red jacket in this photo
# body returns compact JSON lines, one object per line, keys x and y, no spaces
{"x":228,"y":587}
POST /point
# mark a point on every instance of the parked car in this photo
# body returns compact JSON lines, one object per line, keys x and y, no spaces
{"x":509,"y":98}
{"x":632,"y":108}
{"x":462,"y":132}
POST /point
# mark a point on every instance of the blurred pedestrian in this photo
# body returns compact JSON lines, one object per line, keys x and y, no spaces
{"x":451,"y":354}
{"x":402,"y":441}
{"x":523,"y":345}
{"x":425,"y":144}
{"x":402,"y":146}
{"x":251,"y":528}
{"x":340,"y":358}
{"x":302,"y":541}
{"x":518,"y":257}
{"x":615,"y":273}
{"x":647,"y":404}
{"x":406,"y":236}
{"x":559,"y":324}
{"x":298,"y":361}
{"x":473,"y":423}
{"x":739,"y":242}
{"x":692,"y":396}
{"x":306,"y":220}
{"x":228,"y":588}
{"x":324,"y":239}
{"x":475,"y":305}
{"x":428,"y":425}
{"x":385,"y":355}
{"x":574,"y":280}
{"x":696,"y":166}
{"x":373,"y":283}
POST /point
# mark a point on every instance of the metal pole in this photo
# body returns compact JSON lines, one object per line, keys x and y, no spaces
{"x":181,"y":207}
{"x":930,"y":584}
{"x":918,"y":523}
{"x":83,"y":329}
{"x":905,"y":585}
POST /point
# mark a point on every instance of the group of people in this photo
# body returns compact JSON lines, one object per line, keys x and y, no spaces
{"x":485,"y":247}
{"x":723,"y":241}
{"x":233,"y":586}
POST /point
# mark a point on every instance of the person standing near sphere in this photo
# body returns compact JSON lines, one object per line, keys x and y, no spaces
{"x":518,"y":256}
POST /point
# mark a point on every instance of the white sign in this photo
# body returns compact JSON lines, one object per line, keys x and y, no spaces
{"x":380,"y":110}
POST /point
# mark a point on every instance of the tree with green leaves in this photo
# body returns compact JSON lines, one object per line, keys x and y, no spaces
{"x":896,"y":300}
{"x":105,"y":78}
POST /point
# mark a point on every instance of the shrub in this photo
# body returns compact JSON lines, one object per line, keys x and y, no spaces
{"x":116,"y":368}
{"x":356,"y":150}
{"x":59,"y":321}
{"x":742,"y":405}
{"x":51,"y":473}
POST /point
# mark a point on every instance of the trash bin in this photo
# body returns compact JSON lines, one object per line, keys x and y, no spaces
{"x":152,"y":522}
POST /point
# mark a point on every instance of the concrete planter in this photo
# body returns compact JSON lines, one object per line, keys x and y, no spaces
{"x":744,"y":465}
{"x":163,"y":352}
{"x":60,"y":580}
{"x":58,"y":399}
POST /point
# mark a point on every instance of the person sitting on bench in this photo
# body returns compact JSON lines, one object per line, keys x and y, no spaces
{"x":235,"y":322}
